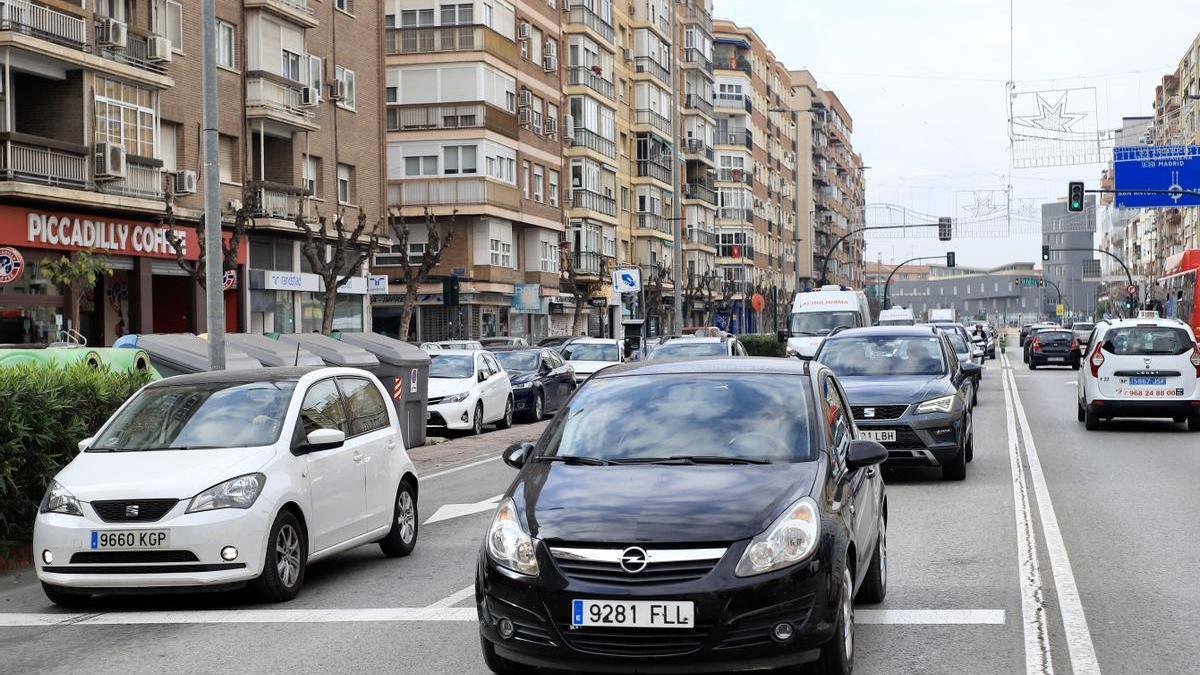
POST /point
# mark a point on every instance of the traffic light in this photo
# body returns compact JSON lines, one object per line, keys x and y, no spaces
{"x":945,"y":229}
{"x":1130,"y":303}
{"x":1045,"y":252}
{"x":1075,"y":196}
{"x":450,"y":291}
{"x":949,"y":258}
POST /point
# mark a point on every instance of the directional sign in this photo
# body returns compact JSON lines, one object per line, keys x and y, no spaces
{"x":627,"y":280}
{"x":448,"y":511}
{"x":1059,"y":310}
{"x":1165,"y":167}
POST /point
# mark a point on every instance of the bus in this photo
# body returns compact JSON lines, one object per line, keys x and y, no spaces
{"x":1178,"y":286}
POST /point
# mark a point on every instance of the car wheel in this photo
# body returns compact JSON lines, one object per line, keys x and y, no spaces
{"x":1081,"y":414}
{"x":496,"y":663}
{"x":64,"y":598}
{"x":477,"y":421}
{"x":874,"y":587}
{"x":402,"y":538}
{"x":1091,"y":420}
{"x":837,"y":655}
{"x":506,"y":421}
{"x":538,"y":407}
{"x":285,"y":561}
{"x":1032,"y":365}
{"x":1194,"y":421}
{"x":969,"y":449}
{"x":1179,"y":419}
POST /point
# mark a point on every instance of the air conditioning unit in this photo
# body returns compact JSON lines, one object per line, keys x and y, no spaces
{"x":568,"y":128}
{"x":185,"y":182}
{"x":627,"y":53}
{"x":309,"y":97}
{"x":523,"y":31}
{"x":551,"y":127}
{"x":525,"y":117}
{"x":526,"y":98}
{"x":338,"y":90}
{"x":550,"y":64}
{"x":113,"y":34}
{"x":158,"y":50}
{"x":110,"y":161}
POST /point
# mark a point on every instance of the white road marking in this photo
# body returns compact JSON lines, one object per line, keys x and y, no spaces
{"x":940,"y":617}
{"x":438,"y":474}
{"x":1079,"y":637}
{"x":454,"y":599}
{"x":448,"y":511}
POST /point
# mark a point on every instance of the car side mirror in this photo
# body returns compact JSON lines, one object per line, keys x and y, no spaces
{"x":545,"y":368}
{"x":482,"y":376}
{"x":782,"y":336}
{"x":86,"y":443}
{"x":865,"y":453}
{"x":517,"y":454}
{"x":323,"y":439}
{"x":971,"y":369}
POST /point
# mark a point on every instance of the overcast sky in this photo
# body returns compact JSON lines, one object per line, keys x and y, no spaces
{"x":925,"y":83}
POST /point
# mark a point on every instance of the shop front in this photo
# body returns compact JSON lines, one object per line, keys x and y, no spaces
{"x":282,"y":301}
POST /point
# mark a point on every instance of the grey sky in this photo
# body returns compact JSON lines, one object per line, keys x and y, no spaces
{"x":925,"y":83}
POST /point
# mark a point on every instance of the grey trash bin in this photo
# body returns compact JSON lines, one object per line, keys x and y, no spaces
{"x":404,"y":370}
{"x":184,"y":353}
{"x":332,"y":352}
{"x":273,"y":353}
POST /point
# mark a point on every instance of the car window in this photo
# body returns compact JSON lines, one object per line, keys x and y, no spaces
{"x":493,"y":367}
{"x":883,"y":355}
{"x":368,"y":410}
{"x":840,"y":434}
{"x":482,"y":366}
{"x":455,"y":366}
{"x":688,"y":349}
{"x":591,"y":351}
{"x":323,"y":409}
{"x":1148,"y":340}
{"x":518,"y":360}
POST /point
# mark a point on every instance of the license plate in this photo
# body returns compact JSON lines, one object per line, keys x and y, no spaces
{"x":1057,"y":358}
{"x":121,"y":540}
{"x":878,"y":435}
{"x":1135,"y":381}
{"x":633,"y":614}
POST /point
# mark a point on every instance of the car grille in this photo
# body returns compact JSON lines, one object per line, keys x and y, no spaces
{"x":882,"y":412}
{"x":112,"y":557}
{"x":655,"y":572}
{"x":637,"y":641}
{"x":148,"y":510}
{"x":750,"y":630}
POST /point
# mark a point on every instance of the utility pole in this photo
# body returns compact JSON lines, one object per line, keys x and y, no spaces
{"x":214,"y":285}
{"x":676,"y":181}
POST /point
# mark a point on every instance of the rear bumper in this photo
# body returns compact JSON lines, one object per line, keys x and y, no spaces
{"x":1169,"y":408}
{"x":1053,"y":358}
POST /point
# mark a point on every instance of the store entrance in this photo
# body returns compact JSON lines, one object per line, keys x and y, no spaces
{"x":173,"y":304}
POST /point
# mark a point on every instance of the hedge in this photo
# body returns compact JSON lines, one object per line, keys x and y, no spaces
{"x":45,"y":410}
{"x":763,"y":345}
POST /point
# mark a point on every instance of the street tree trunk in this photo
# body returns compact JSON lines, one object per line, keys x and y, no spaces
{"x":413,"y":274}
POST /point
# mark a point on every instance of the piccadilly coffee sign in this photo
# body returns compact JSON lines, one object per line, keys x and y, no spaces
{"x":77,"y":232}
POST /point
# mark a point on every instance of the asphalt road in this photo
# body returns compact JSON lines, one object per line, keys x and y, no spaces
{"x":1064,"y":550}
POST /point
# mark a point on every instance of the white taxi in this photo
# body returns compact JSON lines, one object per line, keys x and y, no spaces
{"x":1143,"y":367}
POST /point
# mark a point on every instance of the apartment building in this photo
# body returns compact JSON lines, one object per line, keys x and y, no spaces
{"x":474,"y":118}
{"x":101,"y":130}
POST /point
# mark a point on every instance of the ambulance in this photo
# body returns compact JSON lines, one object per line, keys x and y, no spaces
{"x":817,"y":313}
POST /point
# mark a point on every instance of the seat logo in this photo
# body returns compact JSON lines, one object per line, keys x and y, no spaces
{"x":868,"y":412}
{"x":131,"y":510}
{"x":634,"y":559}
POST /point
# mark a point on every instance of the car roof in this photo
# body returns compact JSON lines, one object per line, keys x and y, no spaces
{"x":886,"y":331}
{"x":714,"y":364}
{"x":695,"y":339}
{"x":459,"y":352}
{"x":520,"y":348}
{"x":594,"y":341}
{"x":1159,"y":321}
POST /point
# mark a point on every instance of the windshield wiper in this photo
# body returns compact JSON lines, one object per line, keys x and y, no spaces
{"x":693,"y":459}
{"x":802,"y":332}
{"x":574,"y":459}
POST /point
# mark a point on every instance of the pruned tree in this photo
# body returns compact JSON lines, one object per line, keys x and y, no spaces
{"x":76,"y":274}
{"x":654,"y":292}
{"x":580,"y":291}
{"x":243,"y":220}
{"x":414,"y":274}
{"x":345,"y":258}
{"x":697,"y":288}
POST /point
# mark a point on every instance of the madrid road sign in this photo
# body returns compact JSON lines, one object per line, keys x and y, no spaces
{"x":627,"y":280}
{"x":1168,"y":169}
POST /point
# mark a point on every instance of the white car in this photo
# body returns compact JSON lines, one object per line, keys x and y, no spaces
{"x":468,"y":388}
{"x":228,"y":478}
{"x":1144,"y":367}
{"x":589,"y":355}
{"x":460,"y":344}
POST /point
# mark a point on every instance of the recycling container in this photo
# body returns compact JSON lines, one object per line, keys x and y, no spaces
{"x":404,"y":371}
{"x":332,"y":352}
{"x":273,"y":353}
{"x":185,"y":353}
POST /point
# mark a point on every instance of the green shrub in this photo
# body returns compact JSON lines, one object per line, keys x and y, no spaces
{"x":45,"y":410}
{"x":763,"y":345}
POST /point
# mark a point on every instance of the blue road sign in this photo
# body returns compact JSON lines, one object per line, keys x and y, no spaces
{"x":1148,"y":167}
{"x":627,"y":280}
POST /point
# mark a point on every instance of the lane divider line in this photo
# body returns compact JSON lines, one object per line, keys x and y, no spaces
{"x":938,"y":617}
{"x":460,"y":467}
{"x":454,"y":598}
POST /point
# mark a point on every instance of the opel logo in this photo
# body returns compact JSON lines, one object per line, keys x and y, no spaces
{"x":634,"y":559}
{"x":131,"y":511}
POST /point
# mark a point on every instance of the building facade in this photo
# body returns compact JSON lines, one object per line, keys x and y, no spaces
{"x":1005,"y":295}
{"x":1077,"y":232}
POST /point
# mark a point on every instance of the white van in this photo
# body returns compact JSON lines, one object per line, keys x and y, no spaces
{"x":944,"y":315}
{"x":896,"y":316}
{"x":817,"y":313}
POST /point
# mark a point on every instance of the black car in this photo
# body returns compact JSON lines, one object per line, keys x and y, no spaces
{"x":684,"y":517}
{"x":1053,"y":347}
{"x":556,"y":342}
{"x":541,"y":381}
{"x":1027,"y":344}
{"x":909,"y":392}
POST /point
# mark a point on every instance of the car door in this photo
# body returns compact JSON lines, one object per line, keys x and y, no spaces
{"x":548,"y":379}
{"x":370,"y":426}
{"x":851,"y":489}
{"x":336,"y":480}
{"x":564,"y":375}
{"x":962,"y":383}
{"x":497,"y":386}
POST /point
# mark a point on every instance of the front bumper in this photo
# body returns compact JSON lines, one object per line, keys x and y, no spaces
{"x":523,"y":398}
{"x":451,"y":415}
{"x":734,"y":618}
{"x":929,"y":439}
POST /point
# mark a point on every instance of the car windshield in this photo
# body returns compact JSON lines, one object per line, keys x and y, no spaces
{"x":959,"y":344}
{"x":590,"y":351}
{"x":687,"y":349}
{"x":1083,"y":326}
{"x":1147,"y":341}
{"x":199,"y":416}
{"x":757,"y":417}
{"x":875,"y":356}
{"x":523,"y":361}
{"x":821,"y":323}
{"x":1055,"y":336}
{"x":455,"y":366}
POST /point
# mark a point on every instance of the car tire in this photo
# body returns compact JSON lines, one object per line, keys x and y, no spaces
{"x":284,"y":562}
{"x":874,"y":586}
{"x":477,"y":420}
{"x":837,"y":655}
{"x":1179,"y":419}
{"x":1091,"y":420}
{"x":402,"y":538}
{"x":969,"y":449}
{"x":1032,"y":365}
{"x":1081,"y":414}
{"x":64,"y":598}
{"x":975,"y":396}
{"x":956,"y":468}
{"x":1194,"y":422}
{"x":539,"y":407}
{"x":506,"y":421}
{"x":496,"y":663}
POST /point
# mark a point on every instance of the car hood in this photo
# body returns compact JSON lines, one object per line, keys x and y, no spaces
{"x":522,"y":376}
{"x":157,"y":474}
{"x":445,"y":386}
{"x":806,"y":345}
{"x":589,"y":367}
{"x":903,"y":389}
{"x":657,"y":503}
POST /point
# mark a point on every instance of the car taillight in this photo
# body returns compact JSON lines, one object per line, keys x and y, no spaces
{"x":1097,"y":360}
{"x":1196,"y":359}
{"x":1037,"y":345}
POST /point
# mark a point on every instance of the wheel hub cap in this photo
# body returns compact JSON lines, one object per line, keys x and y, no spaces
{"x":287,"y":555}
{"x":406,"y":517}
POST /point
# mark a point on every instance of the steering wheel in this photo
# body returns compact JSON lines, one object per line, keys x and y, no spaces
{"x":758,"y":440}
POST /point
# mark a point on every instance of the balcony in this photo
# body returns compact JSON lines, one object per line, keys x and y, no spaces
{"x":593,"y":201}
{"x":729,"y":62}
{"x":700,"y":191}
{"x":694,"y":58}
{"x":652,"y":169}
{"x":655,"y":223}
{"x":735,"y":176}
{"x":443,"y":39}
{"x":277,"y":200}
{"x":136,"y":52}
{"x":697,"y":102}
{"x":421,"y":192}
{"x":46,"y":161}
{"x":735,"y":137}
{"x":697,"y":146}
{"x":697,"y":15}
{"x":268,"y":97}
{"x":738,"y":102}
{"x":645,"y":64}
{"x":143,"y":179}
{"x":48,"y":24}
{"x":735,"y":213}
{"x":701,"y":237}
{"x":297,"y":11}
{"x":586,"y":138}
{"x":653,"y":118}
{"x":589,"y":19}
{"x":578,"y":76}
{"x":451,"y":116}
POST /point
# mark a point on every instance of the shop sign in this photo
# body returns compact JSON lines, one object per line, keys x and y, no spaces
{"x":527,"y":299}
{"x":12,"y":263}
{"x":377,"y":284}
{"x":290,"y":281}
{"x":229,"y":280}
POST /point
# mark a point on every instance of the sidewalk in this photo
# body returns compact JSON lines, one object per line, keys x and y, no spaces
{"x":433,"y":457}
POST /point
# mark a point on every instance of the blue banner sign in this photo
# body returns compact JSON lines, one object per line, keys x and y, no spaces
{"x":1172,"y":168}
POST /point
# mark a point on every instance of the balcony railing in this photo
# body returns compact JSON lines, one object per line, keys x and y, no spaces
{"x":593,"y":201}
{"x":435,"y":191}
{"x":645,"y":64}
{"x":726,"y":62}
{"x":279,"y":200}
{"x":25,"y":17}
{"x":591,"y":140}
{"x":655,"y":119}
{"x":299,"y":10}
{"x":695,"y":57}
{"x":735,"y":137}
{"x":582,"y":15}
{"x":278,"y":100}
{"x":141,"y":180}
{"x":735,"y":213}
{"x":46,"y":161}
{"x":451,"y":116}
{"x":697,"y":14}
{"x":700,"y":191}
{"x":728,"y":100}
{"x":439,"y":39}
{"x":697,"y":102}
{"x":701,"y":237}
{"x":735,"y":176}
{"x":580,"y":76}
{"x":652,"y":169}
{"x":697,"y":146}
{"x":655,"y":222}
{"x":136,"y":52}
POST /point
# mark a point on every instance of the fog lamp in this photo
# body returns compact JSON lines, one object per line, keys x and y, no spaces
{"x":48,"y":557}
{"x":229,"y":553}
{"x":783,"y":631}
{"x":506,"y":628}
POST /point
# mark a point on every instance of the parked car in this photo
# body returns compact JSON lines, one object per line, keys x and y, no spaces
{"x":460,"y":344}
{"x":1054,"y":347}
{"x":589,"y":355}
{"x":896,"y":316}
{"x":687,"y":516}
{"x":468,"y":388}
{"x":556,"y":341}
{"x":541,"y":381}
{"x":1024,"y":333}
{"x":430,"y":347}
{"x":228,"y":478}
{"x":697,"y":347}
{"x":496,"y":342}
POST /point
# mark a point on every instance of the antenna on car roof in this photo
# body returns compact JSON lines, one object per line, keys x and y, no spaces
{"x":297,"y":362}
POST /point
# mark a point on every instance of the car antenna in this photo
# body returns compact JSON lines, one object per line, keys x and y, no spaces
{"x":297,"y":362}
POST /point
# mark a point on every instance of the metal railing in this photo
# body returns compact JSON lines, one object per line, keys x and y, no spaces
{"x":694,"y":56}
{"x":136,"y":52}
{"x":735,"y":176}
{"x":414,"y":191}
{"x":697,"y":102}
{"x":276,"y":200}
{"x":652,"y":169}
{"x":32,"y":163}
{"x":700,"y":191}
{"x":645,"y":64}
{"x":735,"y":213}
{"x":653,"y":118}
{"x":43,"y":22}
{"x":726,"y":62}
{"x":581,"y":76}
{"x":140,"y":181}
{"x":587,"y":262}
{"x":735,"y":137}
{"x":593,"y":201}
{"x":697,"y":146}
{"x":701,"y":237}
{"x":582,"y":15}
{"x":277,"y":97}
{"x":655,"y":222}
{"x":439,"y":39}
{"x":300,"y":6}
{"x":451,"y":116}
{"x":593,"y":141}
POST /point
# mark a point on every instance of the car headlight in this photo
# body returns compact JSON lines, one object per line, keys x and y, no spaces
{"x":940,"y":404}
{"x":790,"y":539}
{"x":523,"y":385}
{"x":59,"y":500}
{"x":508,"y":544}
{"x":235,"y":493}
{"x":455,"y":398}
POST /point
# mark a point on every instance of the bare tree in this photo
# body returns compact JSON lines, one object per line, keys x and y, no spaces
{"x":698,"y":288}
{"x":414,"y":274}
{"x":654,"y":292}
{"x":580,"y":290}
{"x":242,"y":221}
{"x":345,"y":260}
